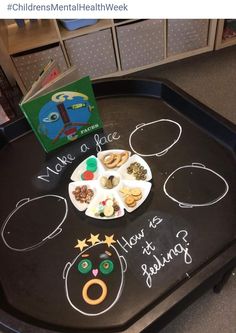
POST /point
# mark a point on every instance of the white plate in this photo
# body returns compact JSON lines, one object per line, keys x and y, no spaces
{"x":102,"y":196}
{"x":101,"y":155}
{"x":100,"y":193}
{"x":92,"y":184}
{"x":107,"y":174}
{"x":132,"y":159}
{"x":76,"y":175}
{"x":144,"y":186}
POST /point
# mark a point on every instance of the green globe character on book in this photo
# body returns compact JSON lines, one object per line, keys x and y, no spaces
{"x":64,"y":115}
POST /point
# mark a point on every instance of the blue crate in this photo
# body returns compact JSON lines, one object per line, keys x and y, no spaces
{"x":20,"y":23}
{"x":76,"y":24}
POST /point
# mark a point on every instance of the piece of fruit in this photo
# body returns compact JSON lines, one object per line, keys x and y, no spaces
{"x":129,"y":200}
{"x":135,"y":191}
{"x":108,"y":211}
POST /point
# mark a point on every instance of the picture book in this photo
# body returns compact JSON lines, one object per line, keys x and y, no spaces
{"x":47,"y":75}
{"x":62,"y":110}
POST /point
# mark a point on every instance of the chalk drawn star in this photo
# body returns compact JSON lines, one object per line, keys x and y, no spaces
{"x":81,"y":244}
{"x":94,"y":239}
{"x":109,"y":240}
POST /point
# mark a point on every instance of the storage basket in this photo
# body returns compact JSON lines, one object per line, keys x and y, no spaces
{"x":93,"y":54}
{"x":30,"y":65}
{"x":141,"y":43}
{"x":186,"y":35}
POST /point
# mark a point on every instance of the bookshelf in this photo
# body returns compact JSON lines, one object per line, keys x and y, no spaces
{"x":195,"y":37}
{"x":226,"y":33}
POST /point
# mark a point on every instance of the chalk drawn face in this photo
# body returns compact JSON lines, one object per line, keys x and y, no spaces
{"x":94,"y":280}
{"x":165,"y":131}
{"x":195,"y":186}
{"x":64,"y":115}
{"x":33,"y":222}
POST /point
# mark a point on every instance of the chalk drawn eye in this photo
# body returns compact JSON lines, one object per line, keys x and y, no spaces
{"x":53,"y":116}
{"x":106,"y":266}
{"x":85,"y":266}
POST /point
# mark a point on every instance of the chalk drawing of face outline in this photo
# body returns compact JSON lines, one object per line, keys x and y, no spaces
{"x":191,"y":205}
{"x":97,"y":279}
{"x":53,"y":234}
{"x":164,"y":151}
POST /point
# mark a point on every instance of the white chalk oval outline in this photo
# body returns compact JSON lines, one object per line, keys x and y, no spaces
{"x":69,"y":265}
{"x":164,"y":151}
{"x":53,"y":234}
{"x":191,"y":205}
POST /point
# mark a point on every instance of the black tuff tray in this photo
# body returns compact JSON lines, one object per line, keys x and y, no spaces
{"x":177,"y":244}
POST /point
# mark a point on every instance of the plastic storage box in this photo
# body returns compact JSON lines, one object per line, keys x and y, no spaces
{"x":76,"y":24}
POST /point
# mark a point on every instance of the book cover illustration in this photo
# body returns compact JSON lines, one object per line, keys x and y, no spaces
{"x":63,"y":115}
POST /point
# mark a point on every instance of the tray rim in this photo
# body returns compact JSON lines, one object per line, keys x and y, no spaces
{"x":160,"y":314}
{"x":189,"y":288}
{"x":18,"y":127}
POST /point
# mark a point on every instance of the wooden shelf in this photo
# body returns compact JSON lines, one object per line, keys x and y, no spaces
{"x":32,"y":35}
{"x":46,"y":32}
{"x":123,"y":22}
{"x":220,"y":42}
{"x":100,"y":25}
{"x":228,"y":41}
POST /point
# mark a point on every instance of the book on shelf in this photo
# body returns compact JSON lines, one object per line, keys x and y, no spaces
{"x":61,"y":108}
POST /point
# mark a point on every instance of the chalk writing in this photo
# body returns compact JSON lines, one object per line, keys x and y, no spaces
{"x":148,"y":248}
{"x":56,"y":170}
{"x":154,"y":222}
{"x":62,"y":161}
{"x":152,"y":259}
{"x":132,"y":241}
{"x":161,"y":261}
{"x":102,"y":140}
{"x":84,"y":148}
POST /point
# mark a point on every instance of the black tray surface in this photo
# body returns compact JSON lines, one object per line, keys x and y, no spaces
{"x":187,"y":221}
